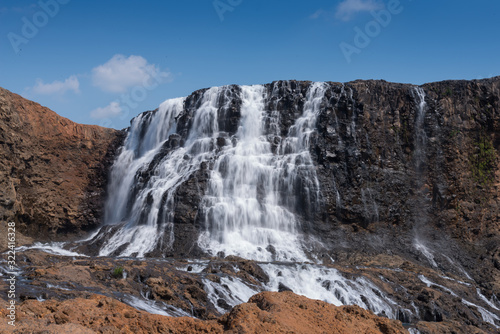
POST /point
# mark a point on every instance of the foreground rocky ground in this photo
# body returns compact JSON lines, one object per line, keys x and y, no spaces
{"x":267,"y":312}
{"x":65,"y":293}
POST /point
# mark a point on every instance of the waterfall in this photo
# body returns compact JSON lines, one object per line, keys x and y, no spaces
{"x":420,"y":216}
{"x":127,"y":203}
{"x":420,"y":135}
{"x":261,"y":188}
{"x":149,"y":170}
{"x":253,"y":193}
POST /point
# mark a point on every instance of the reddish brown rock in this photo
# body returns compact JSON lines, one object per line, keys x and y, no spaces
{"x":52,"y":171}
{"x":286,"y":312}
{"x":267,"y":312}
{"x":98,"y":314}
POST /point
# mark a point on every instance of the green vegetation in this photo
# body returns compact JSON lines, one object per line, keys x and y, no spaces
{"x":448,"y":92}
{"x":483,"y":161}
{"x":454,"y":133}
{"x":117,"y":272}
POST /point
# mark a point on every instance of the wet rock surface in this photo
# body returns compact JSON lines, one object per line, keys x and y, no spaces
{"x":422,"y":298}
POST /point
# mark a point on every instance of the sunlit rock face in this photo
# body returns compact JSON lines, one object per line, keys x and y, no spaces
{"x":53,"y":172}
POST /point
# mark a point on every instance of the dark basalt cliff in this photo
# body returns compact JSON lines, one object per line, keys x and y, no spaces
{"x":391,"y":179}
{"x":53,"y":172}
{"x":372,"y":156}
{"x":391,"y":198}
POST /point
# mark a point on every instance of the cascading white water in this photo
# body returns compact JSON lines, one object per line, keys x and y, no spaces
{"x":252,"y":191}
{"x":123,"y":206}
{"x":328,"y":284}
{"x":485,"y":314}
{"x":146,"y":212}
{"x":420,"y":135}
{"x":249,"y":205}
{"x":419,"y":158}
{"x":138,"y":152}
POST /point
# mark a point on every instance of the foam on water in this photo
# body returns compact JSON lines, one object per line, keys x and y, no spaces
{"x":489,"y":302}
{"x":429,"y":283}
{"x":455,"y":280}
{"x":90,"y":236}
{"x":487,"y":316}
{"x":52,"y":286}
{"x":230,"y":289}
{"x":3,"y":267}
{"x":154,"y":307}
{"x":327,"y":284}
{"x":55,"y":248}
{"x":459,"y":267}
{"x":193,"y":267}
{"x":425,"y":251}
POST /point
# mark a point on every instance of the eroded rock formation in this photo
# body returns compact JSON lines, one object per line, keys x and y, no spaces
{"x":53,"y":172}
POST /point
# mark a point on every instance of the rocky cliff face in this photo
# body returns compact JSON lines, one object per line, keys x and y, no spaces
{"x":407,"y":197}
{"x":403,"y":172}
{"x":373,"y":168}
{"x":399,"y":166}
{"x":448,"y":178}
{"x":423,"y":186}
{"x":427,"y":185}
{"x":53,"y":172}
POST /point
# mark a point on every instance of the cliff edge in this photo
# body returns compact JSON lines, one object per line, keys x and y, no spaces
{"x":52,"y":171}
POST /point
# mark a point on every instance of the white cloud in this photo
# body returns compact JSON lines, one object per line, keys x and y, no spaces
{"x":56,"y":87}
{"x":120,"y":73}
{"x":317,"y":14}
{"x":111,"y":110}
{"x":347,"y":8}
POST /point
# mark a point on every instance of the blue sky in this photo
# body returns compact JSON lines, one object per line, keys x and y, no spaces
{"x":103,"y":62}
